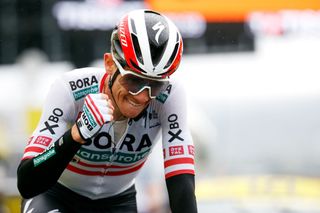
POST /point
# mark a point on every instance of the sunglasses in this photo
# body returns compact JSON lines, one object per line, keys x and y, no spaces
{"x":135,"y":85}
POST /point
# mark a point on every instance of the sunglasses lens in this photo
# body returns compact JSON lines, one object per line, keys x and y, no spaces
{"x":135,"y":85}
{"x":132,"y":83}
{"x":157,"y":87}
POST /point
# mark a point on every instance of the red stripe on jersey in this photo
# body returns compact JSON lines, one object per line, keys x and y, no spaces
{"x":124,"y":172}
{"x":178,"y":161}
{"x":102,"y":173}
{"x":179,"y":172}
{"x":103,"y":80}
{"x":34,"y":149}
{"x":107,"y":166}
{"x":93,"y":113}
{"x":83,"y":172}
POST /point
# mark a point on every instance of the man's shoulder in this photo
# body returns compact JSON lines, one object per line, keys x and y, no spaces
{"x":84,"y":72}
{"x":174,"y":88}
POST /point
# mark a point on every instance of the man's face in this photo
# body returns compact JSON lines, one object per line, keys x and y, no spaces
{"x":129,"y":105}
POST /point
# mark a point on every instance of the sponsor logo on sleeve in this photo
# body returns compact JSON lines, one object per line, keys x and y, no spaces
{"x":82,"y":93}
{"x":162,"y":97}
{"x":174,"y":131}
{"x":191,"y":150}
{"x":43,"y":157}
{"x":82,"y":87}
{"x":43,"y":140}
{"x":176,"y":150}
{"x":52,"y":121}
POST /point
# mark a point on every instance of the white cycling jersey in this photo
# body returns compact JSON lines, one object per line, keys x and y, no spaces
{"x":104,"y":167}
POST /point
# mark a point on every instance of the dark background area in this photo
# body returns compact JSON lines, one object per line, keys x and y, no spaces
{"x":26,"y":24}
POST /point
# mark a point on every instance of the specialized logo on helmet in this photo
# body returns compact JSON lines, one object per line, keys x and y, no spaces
{"x":158,"y":27}
{"x":122,"y":35}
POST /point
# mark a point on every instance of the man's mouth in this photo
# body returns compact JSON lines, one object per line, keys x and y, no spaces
{"x":134,"y":103}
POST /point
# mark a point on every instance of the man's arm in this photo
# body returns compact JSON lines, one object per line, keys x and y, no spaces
{"x":39,"y":173}
{"x":178,"y":150}
{"x":36,"y":175}
{"x":181,"y":190}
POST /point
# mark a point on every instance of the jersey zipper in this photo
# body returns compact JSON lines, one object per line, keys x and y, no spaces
{"x":115,"y":149}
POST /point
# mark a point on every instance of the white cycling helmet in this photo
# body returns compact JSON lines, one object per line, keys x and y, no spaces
{"x":148,"y":44}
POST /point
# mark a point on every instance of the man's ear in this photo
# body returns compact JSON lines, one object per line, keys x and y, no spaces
{"x":108,"y":63}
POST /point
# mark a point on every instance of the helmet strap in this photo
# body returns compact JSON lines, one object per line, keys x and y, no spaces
{"x":111,"y":81}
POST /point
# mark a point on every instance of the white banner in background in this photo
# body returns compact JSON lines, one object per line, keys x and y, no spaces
{"x":103,"y":15}
{"x":298,"y":22}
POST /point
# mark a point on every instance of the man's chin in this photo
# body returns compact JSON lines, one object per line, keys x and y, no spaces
{"x":131,"y":114}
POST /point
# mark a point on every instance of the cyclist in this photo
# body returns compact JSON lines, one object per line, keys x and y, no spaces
{"x":98,"y":127}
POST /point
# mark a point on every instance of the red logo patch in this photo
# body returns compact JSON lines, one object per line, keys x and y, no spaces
{"x":29,"y":141}
{"x":43,"y":140}
{"x":176,"y":150}
{"x":191,"y":150}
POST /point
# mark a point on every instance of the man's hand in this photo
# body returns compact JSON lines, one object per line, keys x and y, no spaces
{"x":97,"y":110}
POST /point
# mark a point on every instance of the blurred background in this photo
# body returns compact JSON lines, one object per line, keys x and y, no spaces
{"x":251,"y":71}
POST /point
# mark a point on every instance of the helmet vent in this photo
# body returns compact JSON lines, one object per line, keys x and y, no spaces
{"x":137,"y":67}
{"x":173,"y":55}
{"x":157,"y":52}
{"x":137,"y":48}
{"x":134,"y":30}
{"x":118,"y":49}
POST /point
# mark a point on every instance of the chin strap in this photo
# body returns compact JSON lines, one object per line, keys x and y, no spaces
{"x":112,"y":79}
{"x":110,"y":84}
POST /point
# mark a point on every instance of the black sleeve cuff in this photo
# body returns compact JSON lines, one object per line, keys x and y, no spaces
{"x":38,"y":174}
{"x":181,"y":189}
{"x":67,"y":145}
